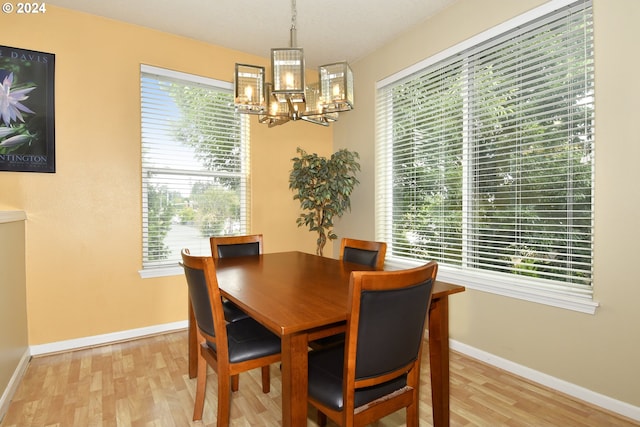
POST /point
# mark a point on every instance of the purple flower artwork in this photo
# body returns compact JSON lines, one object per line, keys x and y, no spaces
{"x":26,"y":111}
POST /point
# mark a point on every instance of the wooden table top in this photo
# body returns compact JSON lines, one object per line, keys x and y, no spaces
{"x":290,"y":292}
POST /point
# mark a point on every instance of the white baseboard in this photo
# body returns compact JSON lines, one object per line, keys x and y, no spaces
{"x":14,"y":382}
{"x":600,"y":400}
{"x":78,"y":343}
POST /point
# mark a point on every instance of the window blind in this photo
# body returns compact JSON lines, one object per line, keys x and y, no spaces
{"x":195,"y":165}
{"x":485,"y":157}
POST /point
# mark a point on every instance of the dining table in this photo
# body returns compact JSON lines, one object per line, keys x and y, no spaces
{"x":302,"y":297}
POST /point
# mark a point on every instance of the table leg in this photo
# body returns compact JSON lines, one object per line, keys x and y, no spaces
{"x":192,"y":344}
{"x":439,"y":359}
{"x":294,"y":380}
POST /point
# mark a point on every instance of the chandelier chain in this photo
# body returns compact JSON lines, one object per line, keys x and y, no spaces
{"x":294,"y":14}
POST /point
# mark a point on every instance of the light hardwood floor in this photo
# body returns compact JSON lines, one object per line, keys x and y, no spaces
{"x":144,"y":383}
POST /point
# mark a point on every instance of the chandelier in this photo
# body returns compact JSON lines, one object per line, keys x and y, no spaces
{"x":287,"y":96}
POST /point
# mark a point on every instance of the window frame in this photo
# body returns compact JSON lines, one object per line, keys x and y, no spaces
{"x":167,"y":269}
{"x":524,"y":289}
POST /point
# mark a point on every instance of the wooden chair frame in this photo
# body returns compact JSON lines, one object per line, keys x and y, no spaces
{"x":215,"y":241}
{"x":381,"y":249}
{"x":233,"y":312}
{"x":407,"y":397}
{"x":218,"y":359}
{"x":367,"y":245}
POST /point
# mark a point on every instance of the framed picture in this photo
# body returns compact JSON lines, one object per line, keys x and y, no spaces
{"x":27,"y":120}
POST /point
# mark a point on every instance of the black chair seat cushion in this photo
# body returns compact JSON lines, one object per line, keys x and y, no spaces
{"x":325,"y":380}
{"x":232,"y":313}
{"x":248,"y":340}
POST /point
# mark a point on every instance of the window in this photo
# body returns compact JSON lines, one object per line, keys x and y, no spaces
{"x":195,"y":165}
{"x":485,"y":159}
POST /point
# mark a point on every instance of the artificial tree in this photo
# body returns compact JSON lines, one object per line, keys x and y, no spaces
{"x":324,"y":188}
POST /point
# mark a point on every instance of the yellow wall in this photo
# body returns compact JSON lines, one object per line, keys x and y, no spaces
{"x":83,"y":246}
{"x":598,"y":352}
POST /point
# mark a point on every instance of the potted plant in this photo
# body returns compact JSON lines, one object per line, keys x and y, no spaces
{"x":324,"y":188}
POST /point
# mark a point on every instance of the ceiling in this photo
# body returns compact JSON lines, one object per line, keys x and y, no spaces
{"x":328,"y":30}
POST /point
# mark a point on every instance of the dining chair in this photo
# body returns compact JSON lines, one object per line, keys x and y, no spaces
{"x":233,"y":246}
{"x":363,"y":252}
{"x":229,"y":348}
{"x":377,"y":371}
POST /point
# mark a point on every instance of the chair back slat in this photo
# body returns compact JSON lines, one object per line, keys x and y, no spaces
{"x":238,"y":249}
{"x":204,"y":295}
{"x":360,"y":256}
{"x":227,"y":348}
{"x":377,"y":371}
{"x":199,"y":297}
{"x":385,"y":327}
{"x":363,"y":252}
{"x":235,"y":246}
{"x":391,"y":327}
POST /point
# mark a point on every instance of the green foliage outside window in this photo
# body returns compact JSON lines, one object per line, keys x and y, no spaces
{"x":194,"y":151}
{"x":160,"y":211}
{"x":493,"y":161}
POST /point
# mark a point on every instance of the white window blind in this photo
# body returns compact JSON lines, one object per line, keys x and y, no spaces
{"x":195,"y":165}
{"x":485,"y":159}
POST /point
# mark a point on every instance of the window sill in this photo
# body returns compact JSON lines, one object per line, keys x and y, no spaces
{"x":150,"y":273}
{"x":497,"y":285}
